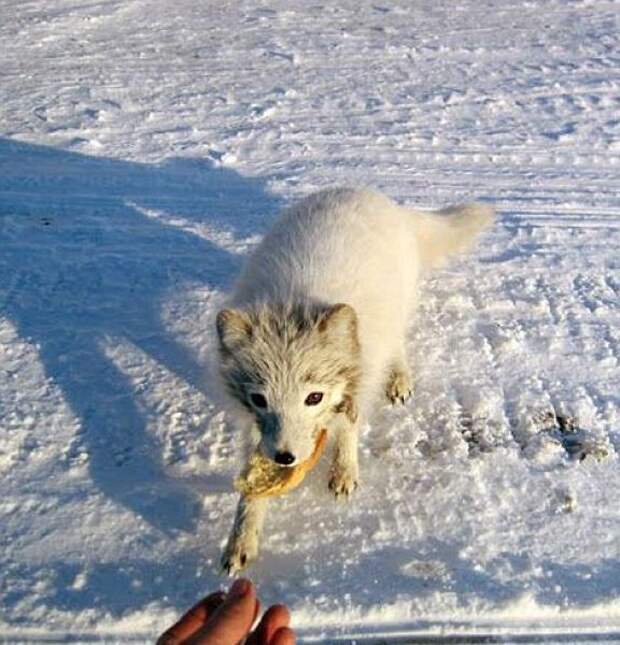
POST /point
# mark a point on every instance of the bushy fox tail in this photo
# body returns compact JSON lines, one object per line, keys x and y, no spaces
{"x":450,"y":230}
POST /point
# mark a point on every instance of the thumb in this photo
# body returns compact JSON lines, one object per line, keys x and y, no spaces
{"x":233,"y":619}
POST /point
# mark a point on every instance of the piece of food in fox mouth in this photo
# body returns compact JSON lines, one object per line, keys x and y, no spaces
{"x":262,"y":477}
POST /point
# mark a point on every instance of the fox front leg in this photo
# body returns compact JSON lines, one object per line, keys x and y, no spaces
{"x":398,"y":387}
{"x":344,"y":474}
{"x":242,"y":547}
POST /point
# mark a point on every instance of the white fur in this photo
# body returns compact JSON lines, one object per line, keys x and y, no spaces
{"x":359,"y":248}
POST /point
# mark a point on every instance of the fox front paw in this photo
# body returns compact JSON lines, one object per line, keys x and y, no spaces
{"x":398,"y":388}
{"x":239,"y":553}
{"x":343,"y":481}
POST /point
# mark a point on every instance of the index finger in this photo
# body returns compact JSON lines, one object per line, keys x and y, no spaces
{"x":233,"y":619}
{"x":192,"y":620}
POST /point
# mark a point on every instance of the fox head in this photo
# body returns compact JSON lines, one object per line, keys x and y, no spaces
{"x":293,"y":368}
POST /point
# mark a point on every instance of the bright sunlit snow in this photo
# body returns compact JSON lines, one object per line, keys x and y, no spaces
{"x":145,"y":148}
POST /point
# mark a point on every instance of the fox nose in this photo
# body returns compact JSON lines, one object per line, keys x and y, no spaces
{"x":284,"y":458}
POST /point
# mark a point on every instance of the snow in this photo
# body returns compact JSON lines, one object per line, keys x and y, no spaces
{"x":145,"y":148}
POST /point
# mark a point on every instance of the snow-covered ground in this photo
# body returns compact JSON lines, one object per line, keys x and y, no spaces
{"x":146,"y":145}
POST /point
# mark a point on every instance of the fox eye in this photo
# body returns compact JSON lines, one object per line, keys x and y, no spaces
{"x":258,"y":400}
{"x":314,"y":398}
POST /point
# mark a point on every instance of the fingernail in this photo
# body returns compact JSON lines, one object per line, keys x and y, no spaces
{"x":239,"y":588}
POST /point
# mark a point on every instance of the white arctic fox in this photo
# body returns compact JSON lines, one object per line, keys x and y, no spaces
{"x":316,"y":328}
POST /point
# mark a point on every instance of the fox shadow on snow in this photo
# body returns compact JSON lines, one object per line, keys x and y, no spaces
{"x":81,"y":262}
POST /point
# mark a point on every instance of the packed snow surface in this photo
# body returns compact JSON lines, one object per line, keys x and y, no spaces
{"x":146,"y":147}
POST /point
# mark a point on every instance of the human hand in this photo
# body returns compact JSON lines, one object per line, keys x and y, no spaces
{"x":226,"y":619}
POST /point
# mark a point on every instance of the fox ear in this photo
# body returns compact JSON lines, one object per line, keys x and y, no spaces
{"x":233,"y":328}
{"x":340,"y":323}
